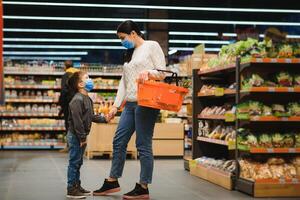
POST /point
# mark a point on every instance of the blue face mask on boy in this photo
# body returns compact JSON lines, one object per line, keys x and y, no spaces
{"x":128,"y":44}
{"x":89,"y":85}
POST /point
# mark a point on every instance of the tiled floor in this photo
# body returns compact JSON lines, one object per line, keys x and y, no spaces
{"x":41,"y":175}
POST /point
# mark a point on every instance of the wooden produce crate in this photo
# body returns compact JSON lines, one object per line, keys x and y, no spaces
{"x":100,"y":141}
{"x":277,"y":188}
{"x":212,"y":175}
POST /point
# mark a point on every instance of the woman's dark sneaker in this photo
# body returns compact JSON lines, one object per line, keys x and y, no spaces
{"x":108,"y":187}
{"x":137,"y":193}
{"x":75,"y":193}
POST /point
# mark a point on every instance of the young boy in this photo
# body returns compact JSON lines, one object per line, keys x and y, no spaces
{"x":81,"y":116}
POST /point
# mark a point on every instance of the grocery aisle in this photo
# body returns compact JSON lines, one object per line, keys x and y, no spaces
{"x":36,"y":175}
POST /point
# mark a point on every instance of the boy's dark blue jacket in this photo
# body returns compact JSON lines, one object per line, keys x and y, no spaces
{"x":81,"y":116}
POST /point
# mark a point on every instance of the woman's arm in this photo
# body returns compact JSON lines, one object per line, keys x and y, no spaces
{"x":158,"y":59}
{"x":120,"y":94}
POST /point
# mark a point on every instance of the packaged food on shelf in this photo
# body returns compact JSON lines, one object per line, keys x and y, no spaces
{"x":31,"y":123}
{"x":284,"y":79}
{"x":273,"y":168}
{"x":247,"y":140}
{"x":221,"y":164}
{"x":220,"y":132}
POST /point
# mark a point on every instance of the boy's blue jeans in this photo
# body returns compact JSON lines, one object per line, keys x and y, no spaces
{"x":75,"y":159}
{"x":142,"y":120}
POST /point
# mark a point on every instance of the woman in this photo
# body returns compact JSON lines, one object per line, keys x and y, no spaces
{"x":141,"y":61}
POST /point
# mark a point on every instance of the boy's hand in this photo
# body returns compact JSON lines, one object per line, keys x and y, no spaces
{"x":112,"y":113}
{"x":82,"y":144}
{"x":107,"y":118}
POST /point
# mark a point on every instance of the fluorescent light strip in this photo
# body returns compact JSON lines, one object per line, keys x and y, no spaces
{"x":153,"y":20}
{"x":71,"y":53}
{"x":229,"y":34}
{"x":192,"y":49}
{"x":60,"y":46}
{"x":58,"y":30}
{"x":198,"y":42}
{"x":216,"y":9}
{"x":59,"y":40}
{"x":40,"y":58}
{"x":193,"y":33}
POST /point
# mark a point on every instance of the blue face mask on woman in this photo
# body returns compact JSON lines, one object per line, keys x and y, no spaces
{"x":128,"y":44}
{"x":89,"y":85}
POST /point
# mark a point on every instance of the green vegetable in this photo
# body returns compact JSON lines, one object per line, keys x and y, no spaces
{"x":285,"y":51}
{"x":277,"y":140}
{"x":284,"y":79}
{"x":252,"y":140}
{"x":254,"y":81}
{"x":265,"y":141}
{"x":243,"y":107}
{"x":255,"y":108}
{"x":288,"y":140}
{"x":297,"y":80}
{"x":297,"y":139}
{"x":267,"y":111}
{"x":294,"y":109}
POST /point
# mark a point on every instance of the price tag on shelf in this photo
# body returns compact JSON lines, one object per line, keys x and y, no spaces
{"x":295,"y":180}
{"x":291,"y":89}
{"x":292,"y":150}
{"x":285,"y":119}
{"x":229,"y":117}
{"x":273,"y":60}
{"x":271,"y":89}
{"x":259,"y":60}
{"x":219,"y":92}
{"x":270,"y":150}
{"x":231,"y":145}
{"x":287,"y":60}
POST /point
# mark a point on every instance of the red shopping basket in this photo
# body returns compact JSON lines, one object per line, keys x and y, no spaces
{"x":160,"y":95}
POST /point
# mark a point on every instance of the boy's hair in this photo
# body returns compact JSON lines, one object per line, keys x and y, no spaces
{"x":74,"y":80}
{"x":68,"y":64}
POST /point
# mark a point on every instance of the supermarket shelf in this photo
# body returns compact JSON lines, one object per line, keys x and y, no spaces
{"x":228,"y":69}
{"x":29,"y":114}
{"x":58,"y":73}
{"x":275,"y":119}
{"x":275,"y":60}
{"x":215,"y":141}
{"x":272,"y":89}
{"x":217,"y":70}
{"x":50,"y":87}
{"x":214,"y":117}
{"x":227,"y":92}
{"x":32,"y":129}
{"x":274,"y":150}
{"x":11,"y":100}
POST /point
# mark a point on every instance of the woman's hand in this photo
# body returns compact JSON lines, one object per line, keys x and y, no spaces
{"x":143,"y":76}
{"x":113,"y":111}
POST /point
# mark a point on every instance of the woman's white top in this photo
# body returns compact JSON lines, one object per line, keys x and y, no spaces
{"x":147,"y":57}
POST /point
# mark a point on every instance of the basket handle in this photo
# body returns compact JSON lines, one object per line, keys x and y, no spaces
{"x":174,"y":76}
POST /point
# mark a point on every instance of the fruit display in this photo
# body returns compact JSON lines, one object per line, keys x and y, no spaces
{"x":32,"y":123}
{"x":102,"y":96}
{"x":30,"y":109}
{"x":26,"y":139}
{"x":255,"y":108}
{"x":221,"y":164}
{"x":273,"y":168}
{"x":246,"y":139}
{"x":221,"y":132}
{"x":217,"y":110}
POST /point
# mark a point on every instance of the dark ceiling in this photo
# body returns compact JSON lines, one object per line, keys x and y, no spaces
{"x":114,"y":56}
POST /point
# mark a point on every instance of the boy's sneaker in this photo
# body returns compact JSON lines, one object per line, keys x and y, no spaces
{"x":84,"y":191}
{"x":107,"y":188}
{"x":137,"y":193}
{"x":75,"y":193}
